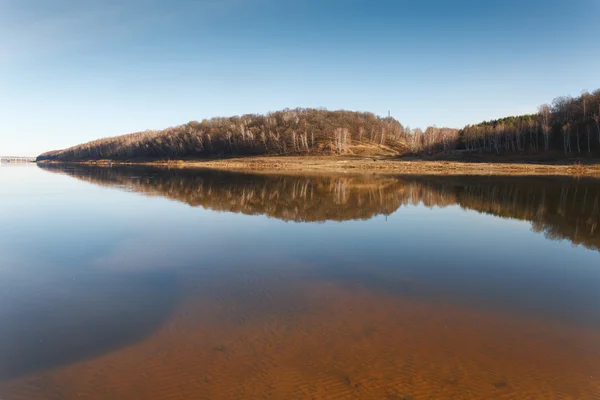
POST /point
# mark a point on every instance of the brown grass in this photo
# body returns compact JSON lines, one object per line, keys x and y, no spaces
{"x":376,"y":164}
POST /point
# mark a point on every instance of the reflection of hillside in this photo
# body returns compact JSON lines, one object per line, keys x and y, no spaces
{"x":290,"y":198}
{"x":566,"y":210}
{"x":561,"y":208}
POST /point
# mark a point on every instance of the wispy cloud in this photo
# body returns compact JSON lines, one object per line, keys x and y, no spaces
{"x":34,"y":29}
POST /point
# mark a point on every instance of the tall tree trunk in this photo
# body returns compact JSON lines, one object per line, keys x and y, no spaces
{"x":530,"y":141}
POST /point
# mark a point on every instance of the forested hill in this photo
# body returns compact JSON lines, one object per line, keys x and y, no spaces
{"x":569,"y":126}
{"x":298,"y":131}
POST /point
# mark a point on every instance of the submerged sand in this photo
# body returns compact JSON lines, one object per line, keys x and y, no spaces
{"x":283,"y":338}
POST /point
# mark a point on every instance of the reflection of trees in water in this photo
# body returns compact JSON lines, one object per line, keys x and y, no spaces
{"x":288,"y":198}
{"x":578,"y":214}
{"x":292,"y":198}
{"x":561,"y":208}
{"x":565,"y":210}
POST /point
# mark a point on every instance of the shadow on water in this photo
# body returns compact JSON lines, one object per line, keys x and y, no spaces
{"x":561,"y":208}
{"x":49,"y":329}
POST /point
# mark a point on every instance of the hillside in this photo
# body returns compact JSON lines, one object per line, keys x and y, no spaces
{"x":299,"y":131}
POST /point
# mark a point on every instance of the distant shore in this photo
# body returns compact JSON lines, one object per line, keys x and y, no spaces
{"x":355,"y":164}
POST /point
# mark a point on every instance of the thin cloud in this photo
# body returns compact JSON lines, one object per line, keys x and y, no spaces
{"x":34,"y":29}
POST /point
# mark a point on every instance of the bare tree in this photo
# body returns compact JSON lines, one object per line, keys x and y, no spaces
{"x":544,"y":120}
{"x":566,"y":129}
{"x":585,"y":95}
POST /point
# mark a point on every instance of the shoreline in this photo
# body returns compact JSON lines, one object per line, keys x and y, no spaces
{"x":296,"y":164}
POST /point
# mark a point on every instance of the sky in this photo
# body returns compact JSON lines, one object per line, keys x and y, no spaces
{"x":77,"y":70}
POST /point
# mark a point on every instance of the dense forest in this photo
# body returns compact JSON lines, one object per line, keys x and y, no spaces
{"x":559,"y":208}
{"x":569,"y":125}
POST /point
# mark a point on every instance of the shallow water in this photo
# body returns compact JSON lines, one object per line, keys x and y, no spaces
{"x":142,"y":283}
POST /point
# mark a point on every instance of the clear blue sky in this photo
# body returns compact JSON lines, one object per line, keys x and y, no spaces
{"x":76,"y":70}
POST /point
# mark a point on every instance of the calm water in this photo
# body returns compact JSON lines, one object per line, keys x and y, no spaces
{"x":139,"y":283}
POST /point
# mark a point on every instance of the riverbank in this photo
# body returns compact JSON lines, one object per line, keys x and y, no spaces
{"x":371,"y":165}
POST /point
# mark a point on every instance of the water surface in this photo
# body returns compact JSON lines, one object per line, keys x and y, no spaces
{"x":147,"y":283}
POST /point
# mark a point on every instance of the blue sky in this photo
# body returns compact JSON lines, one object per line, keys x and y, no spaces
{"x":75,"y":70}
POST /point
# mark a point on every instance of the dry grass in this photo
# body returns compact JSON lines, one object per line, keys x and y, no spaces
{"x":376,"y":164}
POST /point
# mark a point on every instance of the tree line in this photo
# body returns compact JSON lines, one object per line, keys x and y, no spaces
{"x":569,"y":124}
